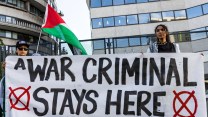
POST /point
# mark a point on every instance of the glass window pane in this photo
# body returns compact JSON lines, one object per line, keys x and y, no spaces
{"x":8,"y":34}
{"x":141,"y":1}
{"x":8,"y":19}
{"x":205,"y":8}
{"x":99,"y":44}
{"x":120,"y":20}
{"x":134,"y":41}
{"x":107,"y":2}
{"x":2,"y":33}
{"x":168,"y":16}
{"x":132,"y":19}
{"x":180,"y":14}
{"x":2,"y":18}
{"x":122,"y":42}
{"x":95,"y":3}
{"x":144,"y":40}
{"x":194,"y":12}
{"x":198,"y":34}
{"x":97,"y":23}
{"x":182,"y":37}
{"x":144,"y":18}
{"x":109,"y":21}
{"x":156,"y":17}
{"x":130,"y":1}
{"x":14,"y":35}
{"x":118,"y":2}
{"x":9,"y":1}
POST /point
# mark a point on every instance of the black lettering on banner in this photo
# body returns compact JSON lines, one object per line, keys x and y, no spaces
{"x":185,"y":71}
{"x":117,"y":72}
{"x":144,"y":71}
{"x":173,"y":69}
{"x":141,"y":104}
{"x":84,"y":70}
{"x":156,"y":103}
{"x":160,"y":76}
{"x":116,"y":103}
{"x":79,"y":99}
{"x":41,"y":100}
{"x":38,"y":70}
{"x":52,"y":68}
{"x":55,"y":98}
{"x":20,"y":63}
{"x":67,"y":99}
{"x":103,"y":70}
{"x":127,"y":103}
{"x":90,"y":99}
{"x":65,"y":68}
{"x":131,"y":71}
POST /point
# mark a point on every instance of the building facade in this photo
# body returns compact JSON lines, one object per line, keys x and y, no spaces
{"x":127,"y":26}
{"x":22,"y":20}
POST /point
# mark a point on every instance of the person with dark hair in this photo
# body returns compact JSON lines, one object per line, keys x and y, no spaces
{"x":22,"y":49}
{"x":163,"y":43}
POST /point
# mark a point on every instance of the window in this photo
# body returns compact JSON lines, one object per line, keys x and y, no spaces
{"x":9,"y":1}
{"x":132,"y":19}
{"x":156,"y":17}
{"x":2,"y":18}
{"x":168,"y":16}
{"x":9,"y":19}
{"x":8,"y":34}
{"x":97,"y":23}
{"x":141,"y":1}
{"x":108,"y":21}
{"x":130,"y":1}
{"x":2,"y":33}
{"x":14,"y":35}
{"x":194,"y":12}
{"x":99,"y":44}
{"x":153,"y":0}
{"x":144,"y":18}
{"x":120,"y":20}
{"x":107,"y":2}
{"x":198,"y":34}
{"x":180,"y":14}
{"x":122,"y":42}
{"x":95,"y":3}
{"x":144,"y":40}
{"x":134,"y":41}
{"x":182,"y":37}
{"x":205,"y":8}
{"x":118,"y":2}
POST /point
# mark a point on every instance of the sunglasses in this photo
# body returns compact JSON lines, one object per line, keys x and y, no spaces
{"x":25,"y":49}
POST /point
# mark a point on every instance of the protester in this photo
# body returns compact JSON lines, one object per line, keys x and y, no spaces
{"x":22,"y":49}
{"x":163,"y":43}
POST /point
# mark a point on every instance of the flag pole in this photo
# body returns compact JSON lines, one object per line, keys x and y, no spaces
{"x":38,"y":41}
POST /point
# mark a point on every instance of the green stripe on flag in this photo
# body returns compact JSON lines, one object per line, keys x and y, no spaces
{"x":64,"y":33}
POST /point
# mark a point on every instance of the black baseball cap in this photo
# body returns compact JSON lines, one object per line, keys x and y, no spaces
{"x":21,"y":42}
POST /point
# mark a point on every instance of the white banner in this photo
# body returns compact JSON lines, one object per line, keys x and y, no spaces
{"x":156,"y":85}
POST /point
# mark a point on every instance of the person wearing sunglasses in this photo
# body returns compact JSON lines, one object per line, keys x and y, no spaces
{"x":163,"y":43}
{"x":22,"y":49}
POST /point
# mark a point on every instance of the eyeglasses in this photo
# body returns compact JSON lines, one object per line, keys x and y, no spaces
{"x":157,"y":30}
{"x":25,"y":49}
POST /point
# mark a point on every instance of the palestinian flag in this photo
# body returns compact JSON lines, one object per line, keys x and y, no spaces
{"x":56,"y":26}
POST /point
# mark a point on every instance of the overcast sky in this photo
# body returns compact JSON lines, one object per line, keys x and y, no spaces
{"x":76,"y":16}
